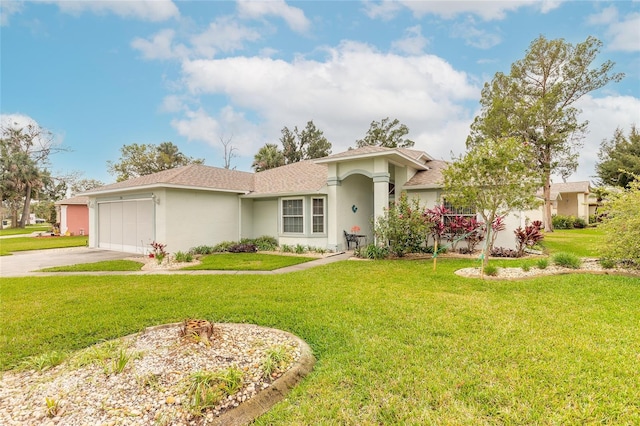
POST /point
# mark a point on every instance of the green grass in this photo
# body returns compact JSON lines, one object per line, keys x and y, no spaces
{"x":395,"y":342}
{"x":28,"y":230}
{"x":107,"y":265}
{"x":247,"y":262}
{"x":10,"y":245}
{"x":581,"y":242}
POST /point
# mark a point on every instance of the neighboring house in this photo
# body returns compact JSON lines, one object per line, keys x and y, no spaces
{"x":73,"y":215}
{"x":311,"y":203}
{"x":573,"y":199}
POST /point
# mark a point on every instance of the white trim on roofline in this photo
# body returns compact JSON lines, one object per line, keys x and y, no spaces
{"x":391,"y":153}
{"x":283,"y":194}
{"x":162,"y":186}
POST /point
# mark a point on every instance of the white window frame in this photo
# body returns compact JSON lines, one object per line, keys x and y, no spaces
{"x":323,"y":215}
{"x":282,"y":216}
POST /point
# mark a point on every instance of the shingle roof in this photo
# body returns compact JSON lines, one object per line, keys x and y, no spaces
{"x":78,"y":199}
{"x":431,"y":177}
{"x":192,"y":175}
{"x":582,"y":186}
{"x":300,"y":177}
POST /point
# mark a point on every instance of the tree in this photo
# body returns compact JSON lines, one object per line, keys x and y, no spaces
{"x":25,"y":154}
{"x":619,"y":158}
{"x":229,"y":151}
{"x":79,"y":185}
{"x":268,"y":157}
{"x":494,"y":177}
{"x":389,"y":134}
{"x":144,"y":159}
{"x":307,"y":144}
{"x":535,"y":103}
{"x":621,"y":224}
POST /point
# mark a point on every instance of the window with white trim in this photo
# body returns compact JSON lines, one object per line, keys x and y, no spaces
{"x":293,"y":216}
{"x":317,"y":215}
{"x":467,"y":212}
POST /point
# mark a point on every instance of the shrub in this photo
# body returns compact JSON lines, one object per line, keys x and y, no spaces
{"x":372,"y":251}
{"x":266,"y":243}
{"x":621,"y":225}
{"x":542,"y":263}
{"x":567,"y":260}
{"x":242,"y":248}
{"x":562,"y":222}
{"x":491,"y":270}
{"x":503,"y":252}
{"x":528,"y":236}
{"x":223,"y":246}
{"x":202,"y":250}
{"x":183,"y":257}
{"x":300,"y":249}
{"x":285,"y":248}
{"x":608,"y":263}
{"x":158,"y":251}
{"x":404,"y":226}
{"x":579,"y":223}
{"x":526,"y":267}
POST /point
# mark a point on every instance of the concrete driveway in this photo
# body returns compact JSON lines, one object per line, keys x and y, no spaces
{"x":22,"y":263}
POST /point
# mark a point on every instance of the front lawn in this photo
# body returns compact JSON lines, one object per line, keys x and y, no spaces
{"x":585,"y":242}
{"x":247,"y":262}
{"x":9,"y":245}
{"x":27,"y":230}
{"x":106,"y":265}
{"x":396,"y":342}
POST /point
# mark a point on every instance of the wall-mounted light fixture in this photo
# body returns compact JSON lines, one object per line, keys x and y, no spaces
{"x":354,"y":208}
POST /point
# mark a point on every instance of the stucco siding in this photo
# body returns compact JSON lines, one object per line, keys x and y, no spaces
{"x":355,"y":193}
{"x":265,"y":218}
{"x":193,"y":218}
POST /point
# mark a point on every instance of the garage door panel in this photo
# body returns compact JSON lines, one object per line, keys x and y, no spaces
{"x":126,"y":225}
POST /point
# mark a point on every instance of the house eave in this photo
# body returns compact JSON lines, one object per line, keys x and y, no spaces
{"x":396,"y":157}
{"x":283,"y":194}
{"x":426,"y":186}
{"x":161,"y":186}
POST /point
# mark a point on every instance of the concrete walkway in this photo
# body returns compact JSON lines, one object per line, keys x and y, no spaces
{"x":24,"y":264}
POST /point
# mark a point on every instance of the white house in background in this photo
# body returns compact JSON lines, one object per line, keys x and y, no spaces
{"x":311,"y":203}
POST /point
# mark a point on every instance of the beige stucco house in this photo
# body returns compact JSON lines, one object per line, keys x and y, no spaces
{"x":573,"y":199}
{"x":311,"y":203}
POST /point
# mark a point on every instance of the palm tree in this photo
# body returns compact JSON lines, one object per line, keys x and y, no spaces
{"x":268,"y":157}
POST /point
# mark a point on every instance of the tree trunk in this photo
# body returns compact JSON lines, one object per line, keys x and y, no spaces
{"x":546,"y":217}
{"x":27,"y":204}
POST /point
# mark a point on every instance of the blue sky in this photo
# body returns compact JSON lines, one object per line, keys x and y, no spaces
{"x":104,"y":74}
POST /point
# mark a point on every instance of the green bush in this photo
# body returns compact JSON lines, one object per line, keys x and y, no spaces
{"x":567,"y":260}
{"x":608,"y":263}
{"x":202,"y":250}
{"x":224,"y":246}
{"x":542,"y":263}
{"x":372,"y":251}
{"x":526,"y":267}
{"x":491,"y":270}
{"x":621,"y":225}
{"x":579,"y":223}
{"x":183,"y":257}
{"x":562,"y":222}
{"x":266,"y":243}
{"x":404,"y":227}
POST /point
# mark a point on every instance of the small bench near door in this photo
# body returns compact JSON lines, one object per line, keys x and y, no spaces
{"x":353,"y":239}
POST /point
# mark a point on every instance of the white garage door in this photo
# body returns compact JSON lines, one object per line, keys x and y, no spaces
{"x":126,"y":225}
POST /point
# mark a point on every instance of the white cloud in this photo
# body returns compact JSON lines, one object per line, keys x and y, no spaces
{"x":8,"y":8}
{"x":622,"y":34}
{"x":160,"y":46}
{"x":293,"y":16}
{"x":487,"y":10}
{"x":473,"y":36}
{"x":224,"y":34}
{"x":604,"y":116}
{"x":342,"y":94}
{"x":147,"y":10}
{"x":413,"y":42}
{"x":21,"y":121}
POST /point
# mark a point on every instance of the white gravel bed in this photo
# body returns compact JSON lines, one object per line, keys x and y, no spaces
{"x":588,"y":265}
{"x":151,"y":388}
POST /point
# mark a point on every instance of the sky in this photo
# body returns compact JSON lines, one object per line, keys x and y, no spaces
{"x":104,"y":74}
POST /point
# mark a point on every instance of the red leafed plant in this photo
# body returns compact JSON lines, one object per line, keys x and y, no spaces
{"x":529,"y":236}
